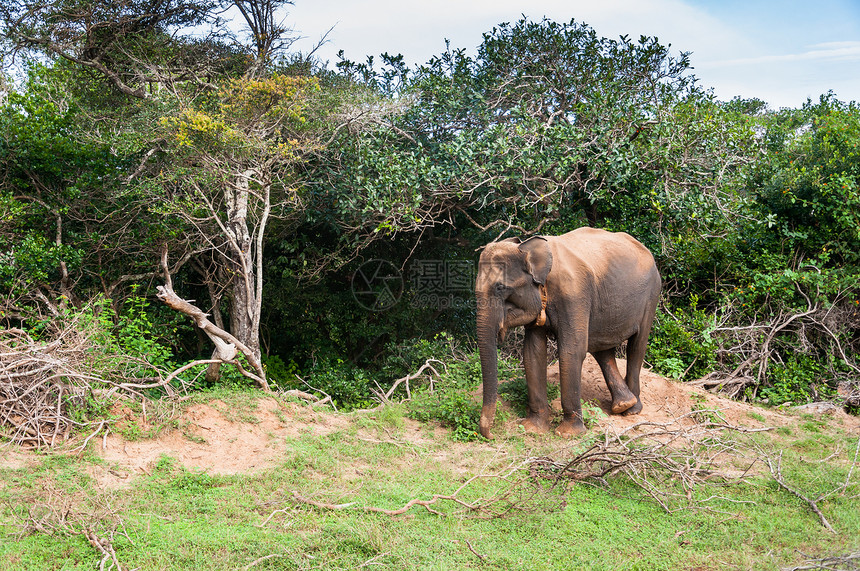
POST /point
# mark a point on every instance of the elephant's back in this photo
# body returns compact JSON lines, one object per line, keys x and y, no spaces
{"x":606,"y":252}
{"x":614,"y":275}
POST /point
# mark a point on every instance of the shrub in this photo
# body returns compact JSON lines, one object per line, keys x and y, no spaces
{"x":452,"y":401}
{"x":798,"y":380}
{"x":349,"y":386}
{"x":680,"y":345}
{"x":455,"y":408}
{"x":517,"y":393}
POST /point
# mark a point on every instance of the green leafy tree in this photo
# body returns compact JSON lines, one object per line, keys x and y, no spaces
{"x":129,"y":44}
{"x":548,"y":128}
{"x":229,"y":166}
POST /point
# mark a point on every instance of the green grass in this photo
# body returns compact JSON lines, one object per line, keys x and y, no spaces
{"x":175,"y":518}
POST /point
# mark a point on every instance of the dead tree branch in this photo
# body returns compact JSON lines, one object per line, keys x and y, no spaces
{"x":385,"y":397}
{"x":657,"y":457}
{"x":517,"y":493}
{"x":225,"y":343}
{"x":60,"y":516}
{"x":849,"y":562}
{"x":776,"y":471}
{"x":46,"y":387}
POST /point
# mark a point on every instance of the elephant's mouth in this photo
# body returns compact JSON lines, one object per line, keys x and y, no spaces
{"x":512,"y":316}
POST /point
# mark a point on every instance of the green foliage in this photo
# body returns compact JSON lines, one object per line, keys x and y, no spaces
{"x":278,"y":372}
{"x":516,"y":392}
{"x":453,"y":407}
{"x":406,"y":357}
{"x":350,"y":387}
{"x":809,"y":185}
{"x":680,"y":345}
{"x":137,"y":335}
{"x":799,"y":380}
{"x":452,"y":401}
{"x":751,"y":214}
{"x":529,"y":131}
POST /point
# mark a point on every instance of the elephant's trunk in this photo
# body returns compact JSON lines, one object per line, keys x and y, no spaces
{"x":490,"y":324}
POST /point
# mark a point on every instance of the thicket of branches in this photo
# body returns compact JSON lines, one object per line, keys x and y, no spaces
{"x":269,"y":179}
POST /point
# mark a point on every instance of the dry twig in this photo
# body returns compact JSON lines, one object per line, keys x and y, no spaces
{"x":385,"y":397}
{"x":776,"y":472}
{"x":849,"y":562}
{"x":656,"y":457}
{"x":518,"y":493}
{"x":44,"y":383}
{"x":59,"y":516}
{"x":225,"y":343}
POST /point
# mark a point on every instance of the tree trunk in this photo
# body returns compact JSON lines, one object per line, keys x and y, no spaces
{"x":213,"y":371}
{"x":245,"y":306}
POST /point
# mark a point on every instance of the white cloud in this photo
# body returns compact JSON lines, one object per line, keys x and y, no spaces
{"x":830,"y":51}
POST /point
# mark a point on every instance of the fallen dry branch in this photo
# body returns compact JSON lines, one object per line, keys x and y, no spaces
{"x":517,"y":493}
{"x":776,"y":472}
{"x":313,"y":399}
{"x":226,"y":344}
{"x":775,"y":467}
{"x":658,"y":458}
{"x":384,"y":397}
{"x":849,"y":562}
{"x":44,"y":385}
{"x":753,"y":348}
{"x":60,"y":516}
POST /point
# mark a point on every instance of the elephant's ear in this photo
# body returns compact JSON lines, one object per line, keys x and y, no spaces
{"x":538,"y":258}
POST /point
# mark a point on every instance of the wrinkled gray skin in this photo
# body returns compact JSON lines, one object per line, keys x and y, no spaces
{"x":602,"y":290}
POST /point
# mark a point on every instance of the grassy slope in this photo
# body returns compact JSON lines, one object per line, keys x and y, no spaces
{"x":180,"y":519}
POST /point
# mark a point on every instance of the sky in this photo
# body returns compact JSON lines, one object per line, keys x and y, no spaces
{"x":780,"y":51}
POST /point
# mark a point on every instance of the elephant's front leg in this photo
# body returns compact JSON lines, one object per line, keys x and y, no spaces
{"x":534,"y":360}
{"x":570,"y":375}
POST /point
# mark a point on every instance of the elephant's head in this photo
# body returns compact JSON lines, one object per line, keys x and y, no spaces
{"x":510,"y":274}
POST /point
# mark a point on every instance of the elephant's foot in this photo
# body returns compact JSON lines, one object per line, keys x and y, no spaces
{"x":536,"y":423}
{"x":570,"y":428}
{"x":635,"y":409}
{"x":625,"y":403}
{"x":488,"y":412}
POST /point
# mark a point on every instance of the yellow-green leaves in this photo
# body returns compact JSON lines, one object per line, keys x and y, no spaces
{"x":258,"y":115}
{"x":194,"y":128}
{"x":276,"y":99}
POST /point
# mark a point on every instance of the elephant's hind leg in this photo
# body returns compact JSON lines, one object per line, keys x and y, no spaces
{"x":622,"y":398}
{"x":636,"y":346}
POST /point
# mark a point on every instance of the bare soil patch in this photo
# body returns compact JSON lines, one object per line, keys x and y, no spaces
{"x":217,"y":438}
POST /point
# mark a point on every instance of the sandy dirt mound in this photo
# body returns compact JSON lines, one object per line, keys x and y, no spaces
{"x":217,"y":438}
{"x":664,"y":400}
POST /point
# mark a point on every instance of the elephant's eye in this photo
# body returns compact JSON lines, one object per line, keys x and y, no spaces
{"x":500,"y":287}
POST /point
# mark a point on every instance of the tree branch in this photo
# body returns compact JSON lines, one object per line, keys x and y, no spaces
{"x":226,"y":343}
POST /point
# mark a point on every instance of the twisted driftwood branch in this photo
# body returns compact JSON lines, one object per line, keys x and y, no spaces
{"x":225,"y":343}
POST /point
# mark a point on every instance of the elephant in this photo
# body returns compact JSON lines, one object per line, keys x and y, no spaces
{"x":592,"y":290}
